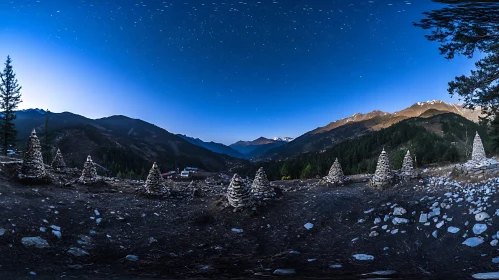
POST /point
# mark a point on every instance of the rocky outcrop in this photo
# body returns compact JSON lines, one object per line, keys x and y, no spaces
{"x":58,"y":162}
{"x":155,"y":184}
{"x":335,"y":175}
{"x":89,"y":173}
{"x":33,"y":167}
{"x":261,"y":189}
{"x":238,"y":193}
{"x":383,"y":174}
{"x":478,"y":154}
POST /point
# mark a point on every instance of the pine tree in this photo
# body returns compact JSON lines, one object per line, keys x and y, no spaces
{"x":284,"y":170}
{"x":10,"y":97}
{"x":463,"y":28}
{"x":307,"y":171}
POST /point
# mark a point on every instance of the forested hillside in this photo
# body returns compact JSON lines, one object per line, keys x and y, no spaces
{"x":439,"y":139}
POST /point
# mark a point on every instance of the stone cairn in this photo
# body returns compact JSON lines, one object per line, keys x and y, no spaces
{"x":89,"y":173}
{"x":407,"y":166}
{"x":155,"y":184}
{"x":383,"y":174}
{"x":238,"y":194}
{"x":478,"y":154}
{"x":33,"y":167}
{"x":335,"y":175}
{"x":261,"y":189}
{"x":58,"y":162}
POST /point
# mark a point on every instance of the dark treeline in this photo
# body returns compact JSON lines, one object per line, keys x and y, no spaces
{"x":360,"y":155}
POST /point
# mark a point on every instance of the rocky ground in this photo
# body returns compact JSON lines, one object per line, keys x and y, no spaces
{"x":433,"y":228}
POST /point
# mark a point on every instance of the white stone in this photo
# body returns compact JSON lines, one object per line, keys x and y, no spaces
{"x":423,"y":218}
{"x":54,"y":227}
{"x":495,"y":260}
{"x":494,"y":242}
{"x":382,"y":272}
{"x":368,"y":211}
{"x":486,"y":275}
{"x":308,"y":225}
{"x":132,"y":258}
{"x":284,"y":271}
{"x":36,"y":242}
{"x":363,"y":257}
{"x":481,"y":216}
{"x":440,"y":224}
{"x":398,"y":220}
{"x":399,"y":211}
{"x":237,"y":230}
{"x":57,"y":233}
{"x":435,"y":233}
{"x":453,"y":229}
{"x":473,"y":241}
{"x":479,"y":228}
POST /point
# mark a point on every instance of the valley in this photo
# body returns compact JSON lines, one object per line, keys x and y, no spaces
{"x":125,"y":145}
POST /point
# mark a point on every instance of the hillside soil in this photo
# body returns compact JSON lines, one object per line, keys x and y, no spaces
{"x":195,"y":238}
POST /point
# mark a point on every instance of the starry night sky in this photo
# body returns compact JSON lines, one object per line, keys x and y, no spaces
{"x":224,"y":70}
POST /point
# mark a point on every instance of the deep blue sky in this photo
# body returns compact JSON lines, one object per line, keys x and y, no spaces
{"x":224,"y":70}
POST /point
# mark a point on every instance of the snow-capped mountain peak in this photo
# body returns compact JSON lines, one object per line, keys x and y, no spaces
{"x":285,"y":139}
{"x":430,"y":102}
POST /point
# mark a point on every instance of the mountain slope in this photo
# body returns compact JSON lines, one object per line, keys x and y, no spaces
{"x":213,"y":146}
{"x":444,"y":137}
{"x":119,"y":143}
{"x":360,"y":124}
{"x":256,"y":147}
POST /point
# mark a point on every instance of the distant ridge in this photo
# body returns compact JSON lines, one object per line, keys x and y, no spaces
{"x":213,"y":146}
{"x":359,"y":124}
{"x":258,"y":146}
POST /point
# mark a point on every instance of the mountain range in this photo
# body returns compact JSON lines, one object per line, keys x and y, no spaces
{"x":213,"y":146}
{"x":119,"y":143}
{"x":359,"y":124}
{"x":441,"y":138}
{"x":255,"y":148}
{"x":129,"y":146}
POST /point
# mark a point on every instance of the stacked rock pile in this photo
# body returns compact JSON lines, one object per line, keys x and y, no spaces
{"x":383,"y":174}
{"x":479,"y":167}
{"x":58,"y":162}
{"x":407,"y":169}
{"x":155,"y":184}
{"x":89,"y":173}
{"x":335,"y":175}
{"x":33,"y":167}
{"x":238,"y":193}
{"x":478,"y":154}
{"x":261,"y":189}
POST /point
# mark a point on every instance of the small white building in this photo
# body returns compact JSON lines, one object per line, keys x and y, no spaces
{"x":185,"y":174}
